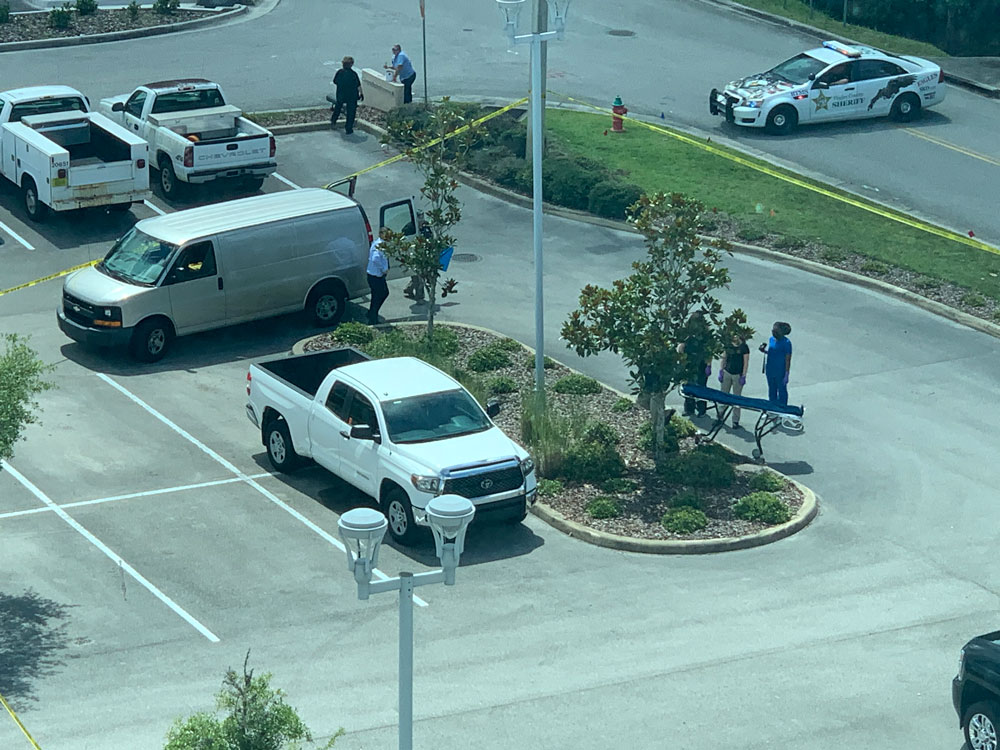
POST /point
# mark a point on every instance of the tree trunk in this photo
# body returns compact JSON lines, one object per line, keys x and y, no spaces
{"x":431,"y":300}
{"x":657,"y":414}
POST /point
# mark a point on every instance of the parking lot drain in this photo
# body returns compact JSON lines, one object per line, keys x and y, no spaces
{"x":465,"y":258}
{"x":621,"y":32}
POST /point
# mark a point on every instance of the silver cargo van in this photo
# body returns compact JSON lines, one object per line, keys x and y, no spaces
{"x":227,"y":263}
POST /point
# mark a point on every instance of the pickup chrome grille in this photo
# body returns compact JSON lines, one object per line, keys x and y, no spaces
{"x":77,"y":310}
{"x":485,"y":483}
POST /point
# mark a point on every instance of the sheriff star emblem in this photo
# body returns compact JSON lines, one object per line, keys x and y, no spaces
{"x":821,"y":101}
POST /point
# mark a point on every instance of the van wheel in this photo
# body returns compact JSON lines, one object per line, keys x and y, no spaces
{"x":400,"y":514}
{"x":37,"y":211}
{"x":168,"y":178}
{"x":906,"y":108}
{"x":280,"y":451}
{"x":782,"y":120}
{"x":151,"y":340}
{"x":327,"y":305}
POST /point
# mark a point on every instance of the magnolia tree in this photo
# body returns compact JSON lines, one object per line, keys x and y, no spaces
{"x":438,"y":152}
{"x":21,"y":380}
{"x":645,"y":316}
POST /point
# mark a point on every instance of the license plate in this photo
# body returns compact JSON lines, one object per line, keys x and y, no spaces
{"x":60,"y":182}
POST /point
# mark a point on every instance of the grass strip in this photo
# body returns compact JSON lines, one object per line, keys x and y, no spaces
{"x":655,"y":162}
{"x":797,"y":10}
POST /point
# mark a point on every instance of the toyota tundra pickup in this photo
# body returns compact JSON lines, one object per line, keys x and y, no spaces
{"x":194,"y":135}
{"x":398,"y":429}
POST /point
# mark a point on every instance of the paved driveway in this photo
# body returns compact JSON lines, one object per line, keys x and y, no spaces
{"x":846,"y":634}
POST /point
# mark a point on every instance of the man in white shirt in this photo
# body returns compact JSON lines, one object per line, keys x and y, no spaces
{"x":378,"y":267}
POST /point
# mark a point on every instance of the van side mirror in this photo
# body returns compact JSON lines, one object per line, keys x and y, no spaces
{"x":492,"y":408}
{"x":118,"y":107}
{"x":362,"y":432}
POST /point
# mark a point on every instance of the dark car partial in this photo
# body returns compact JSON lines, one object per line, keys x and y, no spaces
{"x":975,"y":691}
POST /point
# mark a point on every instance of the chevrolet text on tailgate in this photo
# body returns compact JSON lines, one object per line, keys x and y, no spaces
{"x":398,"y":429}
{"x":194,"y":135}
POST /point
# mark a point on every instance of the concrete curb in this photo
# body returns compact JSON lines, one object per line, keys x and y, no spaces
{"x":212,"y":18}
{"x":822,"y":34}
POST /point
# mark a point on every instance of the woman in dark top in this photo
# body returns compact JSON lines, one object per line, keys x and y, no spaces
{"x":733,"y":372}
{"x":348,"y":94}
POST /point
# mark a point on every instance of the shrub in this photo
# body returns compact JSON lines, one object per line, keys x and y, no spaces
{"x":684,"y":520}
{"x":833,"y":255}
{"x":622,"y":405}
{"x":481,"y":160}
{"x":751,"y":234}
{"x":762,"y":506}
{"x":925,"y":282}
{"x":501,"y":384}
{"x":766,"y":481}
{"x":416,"y":114}
{"x":602,"y":506}
{"x":4,"y":12}
{"x":787,"y":242}
{"x":488,"y":358}
{"x":547,"y":433}
{"x":611,"y":199}
{"x":697,"y":469}
{"x":687,"y":499}
{"x":721,"y":451}
{"x":973,"y":300}
{"x":620,"y":486}
{"x":86,"y":7}
{"x":389,"y":344}
{"x":592,"y":462}
{"x":549,"y":487}
{"x":133,"y":10}
{"x":513,"y":173}
{"x":444,"y":341}
{"x":601,"y":432}
{"x":567,"y":182}
{"x":61,"y":18}
{"x":673,"y":431}
{"x":577,"y":384}
{"x":874,"y":266}
{"x":547,"y":362}
{"x":166,"y":7}
{"x":357,"y":334}
{"x":510,"y":345}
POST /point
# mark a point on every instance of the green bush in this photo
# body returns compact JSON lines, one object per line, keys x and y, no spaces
{"x":444,"y":341}
{"x":696,"y":469}
{"x":501,"y":384}
{"x":509,"y":345}
{"x":133,"y":10}
{"x":687,"y":499}
{"x":788,"y":242}
{"x":766,"y":481}
{"x":4,"y":12}
{"x":684,"y":520}
{"x":874,"y":266}
{"x":488,"y":358}
{"x":751,"y":234}
{"x":673,"y":431}
{"x":61,"y":18}
{"x":567,"y":182}
{"x":622,"y":405}
{"x":972,"y":299}
{"x":610,"y":199}
{"x":547,"y":362}
{"x":353,"y":333}
{"x":833,"y":255}
{"x":481,"y":160}
{"x":592,"y":462}
{"x":166,"y":7}
{"x":86,"y":7}
{"x":719,"y":450}
{"x":762,"y":506}
{"x":470,"y":381}
{"x":506,"y":134}
{"x":577,"y":384}
{"x":513,"y":173}
{"x":549,"y":487}
{"x":390,"y":344}
{"x":596,"y":431}
{"x":547,"y":433}
{"x":414,"y":117}
{"x":620,"y":486}
{"x":602,"y":507}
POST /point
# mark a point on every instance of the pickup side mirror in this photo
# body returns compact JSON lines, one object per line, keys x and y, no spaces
{"x":118,"y":107}
{"x":362,"y":432}
{"x":492,"y":408}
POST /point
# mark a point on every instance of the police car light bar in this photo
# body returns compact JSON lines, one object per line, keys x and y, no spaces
{"x":842,"y":49}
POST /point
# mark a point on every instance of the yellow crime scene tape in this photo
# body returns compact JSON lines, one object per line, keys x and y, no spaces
{"x":19,"y":724}
{"x":328,"y":186}
{"x":758,"y":167}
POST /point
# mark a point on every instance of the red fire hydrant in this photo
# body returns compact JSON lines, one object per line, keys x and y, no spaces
{"x":618,"y":109}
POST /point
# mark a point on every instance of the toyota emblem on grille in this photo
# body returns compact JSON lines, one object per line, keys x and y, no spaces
{"x":486,"y":484}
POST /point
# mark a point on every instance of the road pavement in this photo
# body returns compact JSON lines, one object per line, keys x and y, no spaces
{"x":845,"y":634}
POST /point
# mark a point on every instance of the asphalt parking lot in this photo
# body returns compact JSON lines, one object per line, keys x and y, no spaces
{"x":841,"y":634}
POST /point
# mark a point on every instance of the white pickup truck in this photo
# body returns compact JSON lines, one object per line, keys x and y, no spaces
{"x":62,"y":156}
{"x":398,"y":429}
{"x":194,"y":135}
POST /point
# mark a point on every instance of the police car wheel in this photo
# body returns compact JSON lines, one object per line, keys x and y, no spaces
{"x":782,"y":120}
{"x":906,"y":108}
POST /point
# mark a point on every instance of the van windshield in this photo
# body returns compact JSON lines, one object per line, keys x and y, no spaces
{"x":137,"y":258}
{"x":433,"y":416}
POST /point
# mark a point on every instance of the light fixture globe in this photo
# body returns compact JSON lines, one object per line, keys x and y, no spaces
{"x":361,"y":530}
{"x":449,"y":516}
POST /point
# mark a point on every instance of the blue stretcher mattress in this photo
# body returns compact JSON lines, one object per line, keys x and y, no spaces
{"x":731,"y":399}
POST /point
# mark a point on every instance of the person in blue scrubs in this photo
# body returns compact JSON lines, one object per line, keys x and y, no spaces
{"x":778,"y":362}
{"x":403,"y":72}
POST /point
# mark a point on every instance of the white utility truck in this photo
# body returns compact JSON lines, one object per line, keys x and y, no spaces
{"x":62,"y":156}
{"x":398,"y":429}
{"x":194,"y":135}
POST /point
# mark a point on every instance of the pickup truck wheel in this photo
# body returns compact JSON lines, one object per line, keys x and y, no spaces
{"x":168,"y":178}
{"x":36,"y":210}
{"x":151,"y":340}
{"x":327,"y":305}
{"x":280,"y":452}
{"x":253,"y":184}
{"x":400,"y":514}
{"x":981,"y":722}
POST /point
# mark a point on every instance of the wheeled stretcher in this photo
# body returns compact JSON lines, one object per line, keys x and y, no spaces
{"x":772,"y":415}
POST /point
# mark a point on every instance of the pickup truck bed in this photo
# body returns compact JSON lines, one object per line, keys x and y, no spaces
{"x":305,"y":374}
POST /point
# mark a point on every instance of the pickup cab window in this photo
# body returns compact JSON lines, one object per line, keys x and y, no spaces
{"x":47,"y":106}
{"x":183,"y":101}
{"x":135,"y":103}
{"x":137,"y":258}
{"x":336,"y":402}
{"x":433,"y":416}
{"x":361,"y":411}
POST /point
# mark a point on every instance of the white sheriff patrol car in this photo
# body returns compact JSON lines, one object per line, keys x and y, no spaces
{"x":832,"y":82}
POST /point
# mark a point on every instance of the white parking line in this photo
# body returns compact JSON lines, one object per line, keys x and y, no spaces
{"x":286,"y":181}
{"x":16,"y":236}
{"x":246,"y":478}
{"x":147,"y":493}
{"x":116,"y":558}
{"x":153,"y":207}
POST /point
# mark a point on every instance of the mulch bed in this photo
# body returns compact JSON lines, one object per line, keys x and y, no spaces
{"x":24,"y":27}
{"x":642,"y":509}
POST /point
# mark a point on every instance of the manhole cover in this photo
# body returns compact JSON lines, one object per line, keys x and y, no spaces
{"x":621,"y":32}
{"x":465,"y":257}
